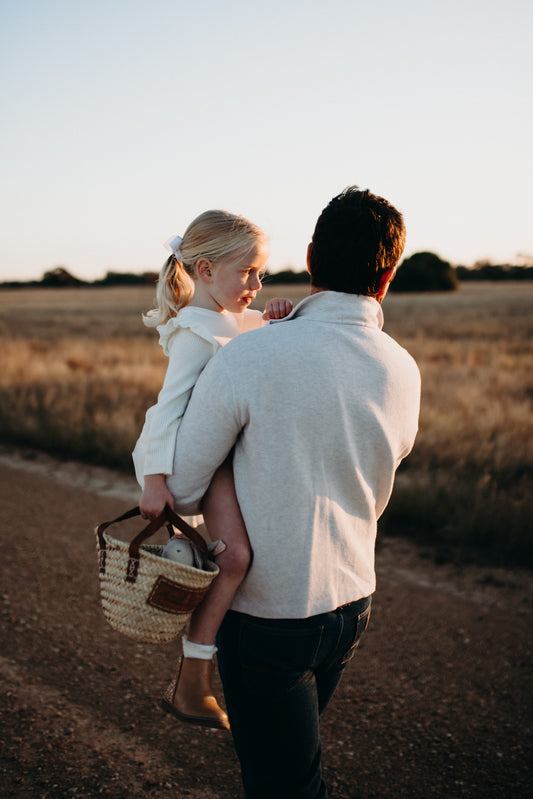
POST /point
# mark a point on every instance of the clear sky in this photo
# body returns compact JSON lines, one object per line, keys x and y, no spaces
{"x":124,"y":119}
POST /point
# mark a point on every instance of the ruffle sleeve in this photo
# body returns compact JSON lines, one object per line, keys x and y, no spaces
{"x":167,"y":332}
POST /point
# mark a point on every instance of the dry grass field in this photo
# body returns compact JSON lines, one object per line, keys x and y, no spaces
{"x":79,"y":370}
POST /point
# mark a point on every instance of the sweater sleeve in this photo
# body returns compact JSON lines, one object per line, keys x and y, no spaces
{"x":188,"y":354}
{"x":209,"y":431}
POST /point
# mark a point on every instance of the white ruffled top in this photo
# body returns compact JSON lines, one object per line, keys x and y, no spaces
{"x":189,"y":340}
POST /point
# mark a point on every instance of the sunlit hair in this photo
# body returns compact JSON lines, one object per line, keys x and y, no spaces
{"x":357,"y":237}
{"x":215,"y":235}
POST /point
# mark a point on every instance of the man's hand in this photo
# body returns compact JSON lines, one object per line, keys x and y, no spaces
{"x":277,"y":308}
{"x":155,"y":496}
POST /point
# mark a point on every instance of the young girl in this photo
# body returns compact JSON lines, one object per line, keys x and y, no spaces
{"x":203,"y":294}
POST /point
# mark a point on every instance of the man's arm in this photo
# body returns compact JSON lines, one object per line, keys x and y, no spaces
{"x":206,"y":436}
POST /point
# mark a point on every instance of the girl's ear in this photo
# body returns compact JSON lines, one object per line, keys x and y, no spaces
{"x":204,"y":268}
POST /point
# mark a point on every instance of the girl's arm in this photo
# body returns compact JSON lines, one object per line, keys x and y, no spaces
{"x":277,"y":308}
{"x":188,"y":354}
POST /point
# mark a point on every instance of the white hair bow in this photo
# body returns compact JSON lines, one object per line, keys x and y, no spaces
{"x":174,"y":246}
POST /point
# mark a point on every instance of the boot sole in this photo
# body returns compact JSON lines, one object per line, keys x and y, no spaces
{"x":198,"y":720}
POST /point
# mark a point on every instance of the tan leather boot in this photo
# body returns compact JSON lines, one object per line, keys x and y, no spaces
{"x":190,"y":698}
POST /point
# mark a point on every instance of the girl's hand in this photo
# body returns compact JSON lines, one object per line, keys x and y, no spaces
{"x":155,"y":496}
{"x":277,"y":308}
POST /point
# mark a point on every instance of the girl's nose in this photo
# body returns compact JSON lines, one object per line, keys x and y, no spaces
{"x":255,"y":282}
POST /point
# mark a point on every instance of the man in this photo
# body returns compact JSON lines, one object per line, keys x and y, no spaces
{"x":320,"y":408}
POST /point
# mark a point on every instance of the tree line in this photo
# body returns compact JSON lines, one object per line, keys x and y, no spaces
{"x":423,"y":271}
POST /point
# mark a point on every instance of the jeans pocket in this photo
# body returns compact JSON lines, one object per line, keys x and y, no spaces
{"x":361,"y":623}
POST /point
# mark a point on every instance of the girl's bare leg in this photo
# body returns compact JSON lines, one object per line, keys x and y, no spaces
{"x":190,"y":695}
{"x":224,"y":521}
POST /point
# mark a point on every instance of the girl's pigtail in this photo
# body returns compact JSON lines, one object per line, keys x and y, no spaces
{"x":174,"y":290}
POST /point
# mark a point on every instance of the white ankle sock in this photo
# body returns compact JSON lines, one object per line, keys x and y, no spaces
{"x":201,"y":651}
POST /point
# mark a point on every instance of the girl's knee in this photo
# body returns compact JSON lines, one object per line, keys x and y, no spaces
{"x":235,"y":560}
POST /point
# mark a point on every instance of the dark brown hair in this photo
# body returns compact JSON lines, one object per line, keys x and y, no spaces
{"x":357,"y":237}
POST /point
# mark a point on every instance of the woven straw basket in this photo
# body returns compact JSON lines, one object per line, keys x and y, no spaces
{"x":144,"y":596}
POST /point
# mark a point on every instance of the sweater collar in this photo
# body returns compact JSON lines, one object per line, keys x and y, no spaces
{"x":337,"y":306}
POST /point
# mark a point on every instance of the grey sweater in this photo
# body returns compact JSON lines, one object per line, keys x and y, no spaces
{"x":321,"y":407}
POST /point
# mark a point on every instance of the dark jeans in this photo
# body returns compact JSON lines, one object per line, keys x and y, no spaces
{"x":278,"y":676}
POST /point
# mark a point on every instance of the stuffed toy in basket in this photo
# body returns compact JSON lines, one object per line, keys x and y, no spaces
{"x":143,"y":595}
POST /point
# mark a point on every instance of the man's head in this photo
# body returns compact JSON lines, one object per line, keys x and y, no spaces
{"x":357,"y":244}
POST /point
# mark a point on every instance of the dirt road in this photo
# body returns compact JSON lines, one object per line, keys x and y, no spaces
{"x":437,"y":702}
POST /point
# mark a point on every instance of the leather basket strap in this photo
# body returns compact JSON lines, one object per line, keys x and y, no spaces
{"x":168,"y":516}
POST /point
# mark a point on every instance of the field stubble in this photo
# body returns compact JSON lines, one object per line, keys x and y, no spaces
{"x":79,"y":370}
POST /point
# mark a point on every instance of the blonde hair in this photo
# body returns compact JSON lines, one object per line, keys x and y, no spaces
{"x":214,"y":235}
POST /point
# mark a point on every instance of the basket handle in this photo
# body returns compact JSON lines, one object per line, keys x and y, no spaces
{"x":167,"y":516}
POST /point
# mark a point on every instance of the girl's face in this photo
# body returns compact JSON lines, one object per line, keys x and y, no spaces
{"x":232,"y":283}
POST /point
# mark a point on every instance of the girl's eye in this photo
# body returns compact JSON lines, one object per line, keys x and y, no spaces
{"x":251,"y":271}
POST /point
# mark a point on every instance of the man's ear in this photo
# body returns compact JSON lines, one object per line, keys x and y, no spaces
{"x":308,"y":257}
{"x":385,"y":282}
{"x":204,"y":268}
